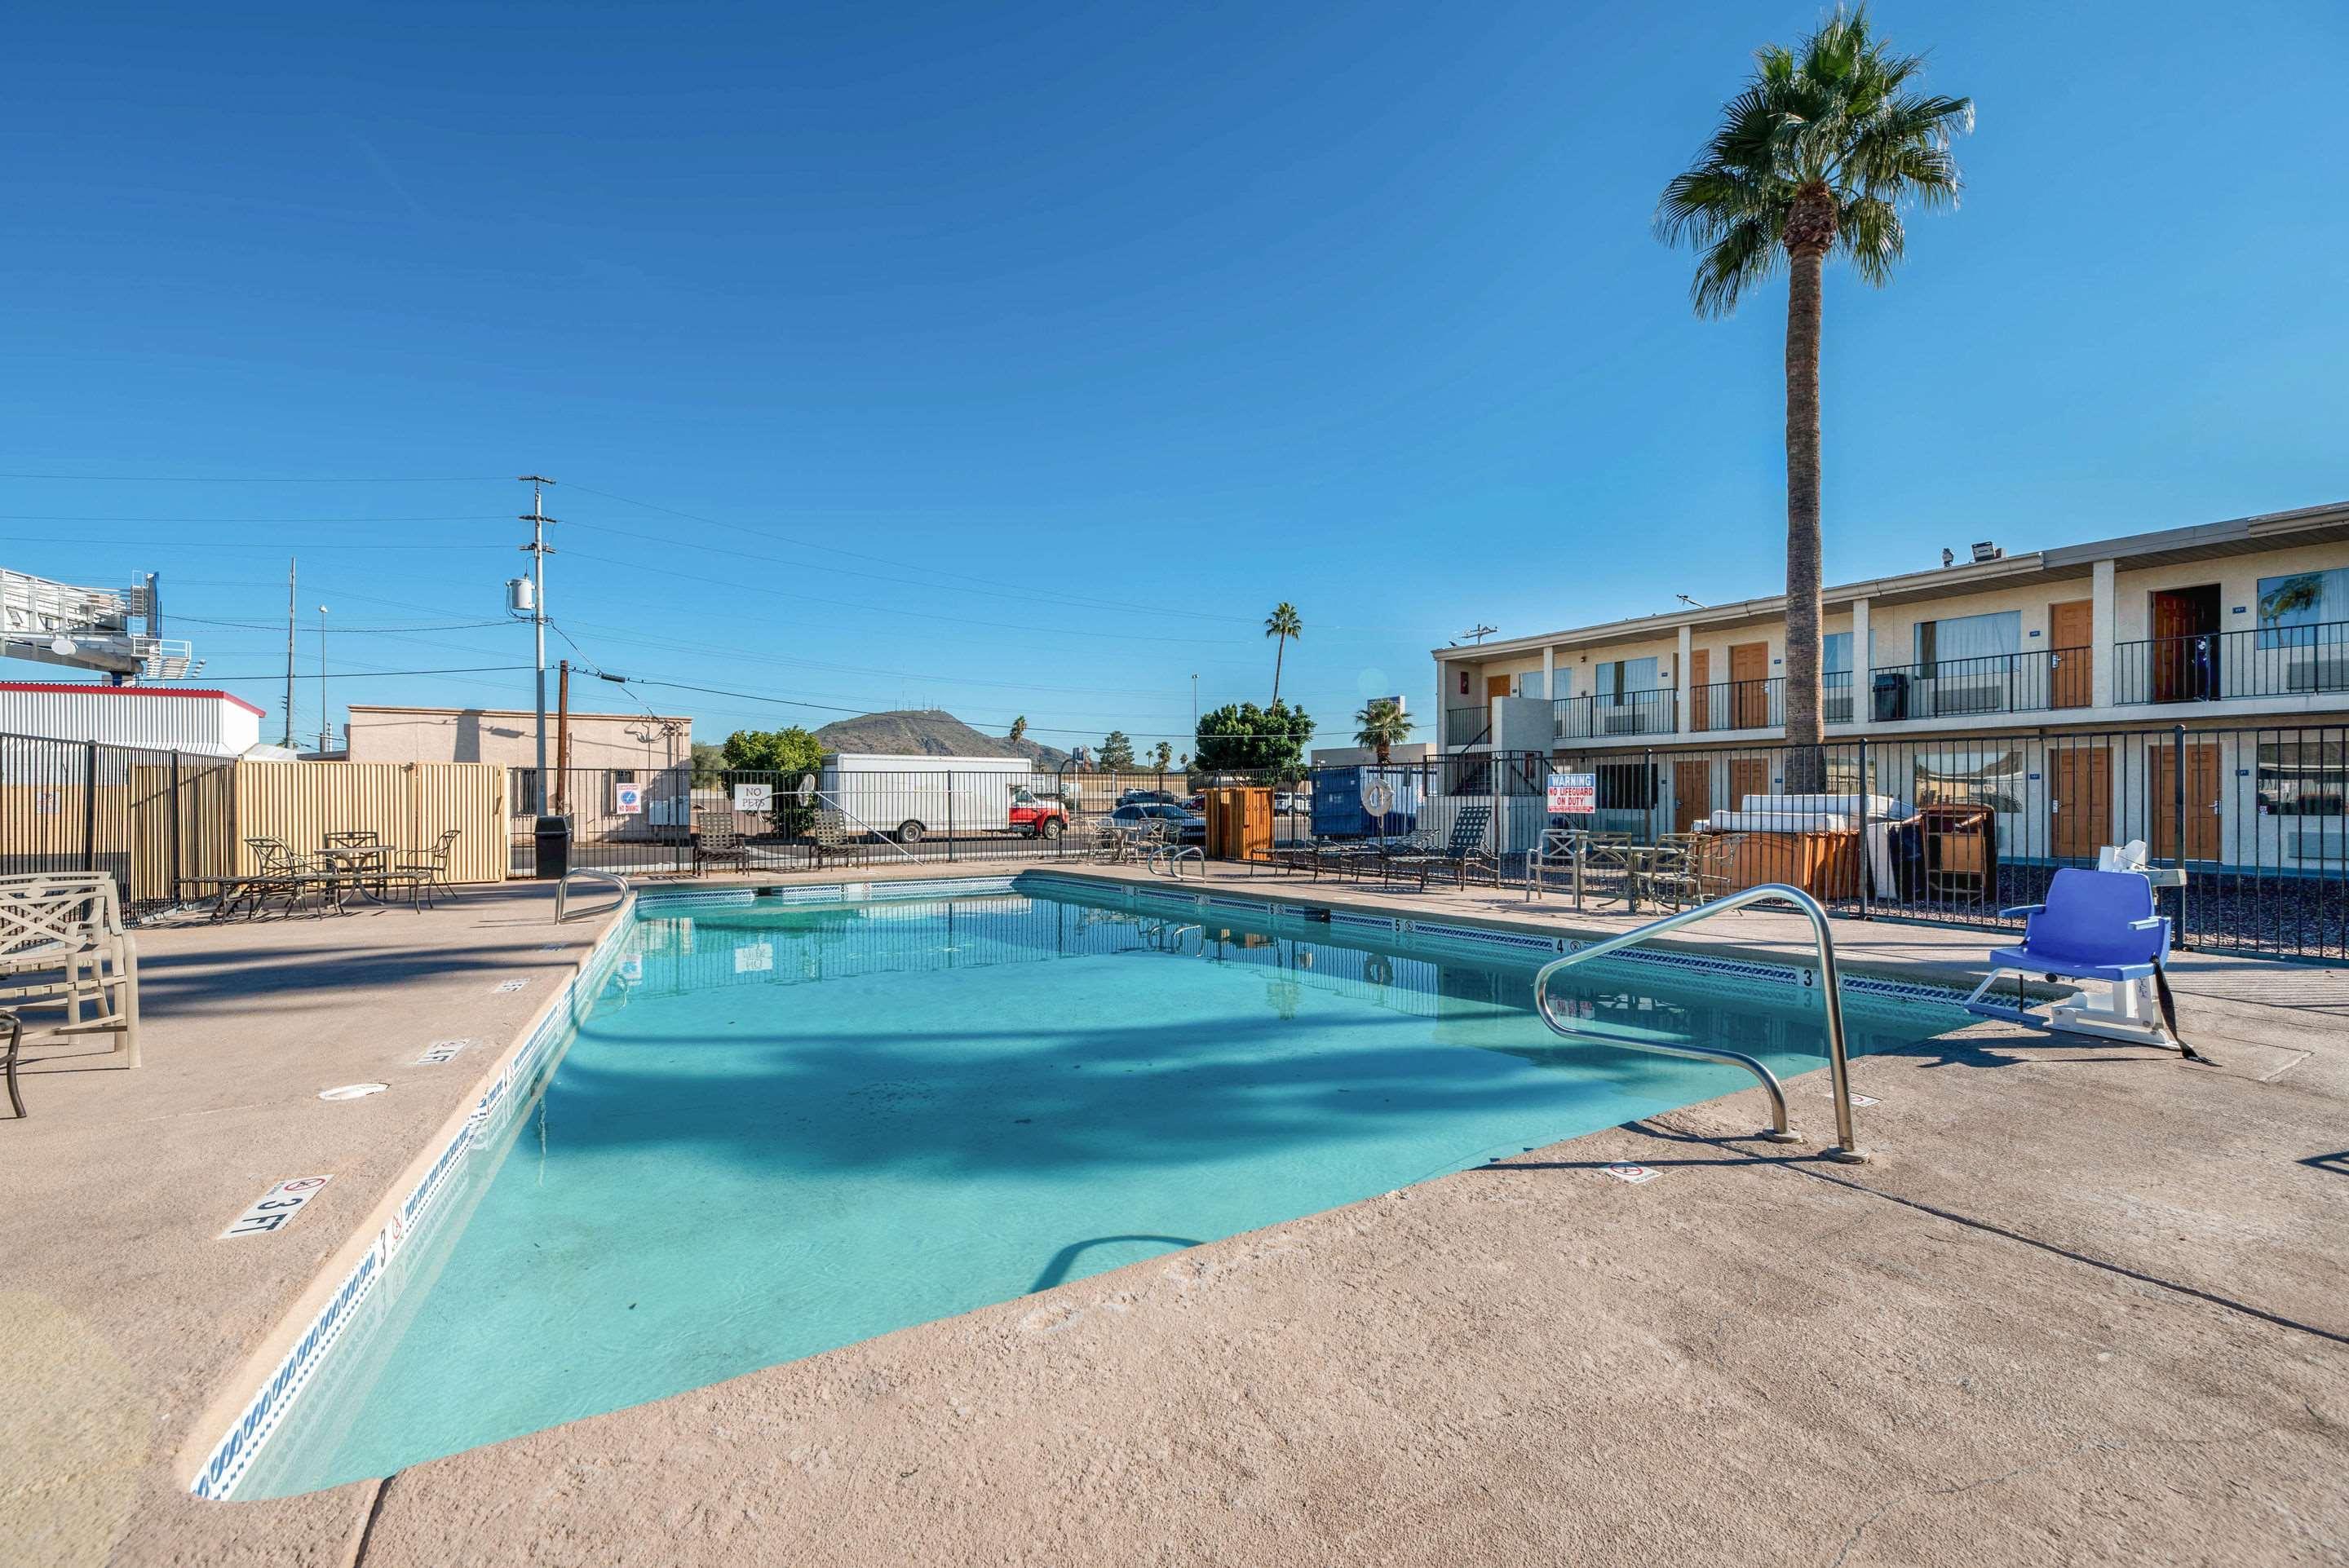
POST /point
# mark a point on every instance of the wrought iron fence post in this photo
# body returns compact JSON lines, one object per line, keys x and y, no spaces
{"x":2178,"y":797}
{"x":1867,"y":859}
{"x":950,"y":847}
{"x":90,"y":807}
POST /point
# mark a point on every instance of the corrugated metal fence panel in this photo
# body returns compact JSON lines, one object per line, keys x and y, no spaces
{"x":407,"y":805}
{"x":469,"y":797}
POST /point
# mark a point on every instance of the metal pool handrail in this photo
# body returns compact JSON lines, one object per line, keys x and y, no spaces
{"x":563,"y":889}
{"x":1846,"y":1147}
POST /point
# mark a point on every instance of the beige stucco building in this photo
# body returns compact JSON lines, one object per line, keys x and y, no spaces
{"x":638,"y":742}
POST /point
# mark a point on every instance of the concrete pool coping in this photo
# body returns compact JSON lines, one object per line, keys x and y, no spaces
{"x":740,"y":1453}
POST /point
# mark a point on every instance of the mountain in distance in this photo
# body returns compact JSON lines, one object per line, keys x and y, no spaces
{"x":928,"y":732}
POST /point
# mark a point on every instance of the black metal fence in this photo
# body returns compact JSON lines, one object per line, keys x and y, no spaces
{"x":1960,"y":828}
{"x":155,"y":819}
{"x":961,"y":812}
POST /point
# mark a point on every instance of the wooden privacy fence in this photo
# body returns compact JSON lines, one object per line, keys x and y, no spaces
{"x":406,"y":804}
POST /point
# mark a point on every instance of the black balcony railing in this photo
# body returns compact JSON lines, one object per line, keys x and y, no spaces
{"x":2211,"y":666}
{"x":1835,"y":696}
{"x":1467,"y":726}
{"x":1738,"y":705}
{"x":1619,"y":713}
{"x":1970,"y":688}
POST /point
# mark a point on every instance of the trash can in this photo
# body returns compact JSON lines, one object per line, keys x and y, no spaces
{"x":1891,"y":692}
{"x":554,"y":847}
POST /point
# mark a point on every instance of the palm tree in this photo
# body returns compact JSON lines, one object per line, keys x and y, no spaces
{"x":1282,"y":624}
{"x":1381,"y":724}
{"x":1019,"y":727}
{"x":1819,"y":153}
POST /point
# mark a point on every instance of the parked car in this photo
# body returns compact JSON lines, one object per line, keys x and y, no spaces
{"x":1190,"y":828}
{"x":1288,"y":803}
{"x":1148,"y":796}
{"x":1194,"y":802}
{"x":1038,"y":813}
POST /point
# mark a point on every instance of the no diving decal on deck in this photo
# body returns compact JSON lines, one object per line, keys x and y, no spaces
{"x":510,"y":985}
{"x":441,"y":1051}
{"x":1624,"y":1171}
{"x":272,"y":1210}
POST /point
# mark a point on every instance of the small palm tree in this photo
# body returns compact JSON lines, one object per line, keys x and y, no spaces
{"x":1284,"y":624}
{"x":1820,"y":153}
{"x":1381,"y":723}
{"x":1019,"y":727}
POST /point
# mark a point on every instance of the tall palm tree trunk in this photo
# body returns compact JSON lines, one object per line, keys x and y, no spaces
{"x":1806,"y":242}
{"x":1280,"y":652}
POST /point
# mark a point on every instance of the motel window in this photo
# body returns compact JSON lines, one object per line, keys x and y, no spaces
{"x":2302,"y":599}
{"x":1618,"y":680}
{"x":1967,"y":637}
{"x":1991,"y":776}
{"x":2303,"y":778}
{"x":1626,"y":786}
{"x":624,"y":775}
{"x":1834,"y":653}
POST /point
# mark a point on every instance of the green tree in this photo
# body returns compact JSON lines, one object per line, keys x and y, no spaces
{"x":1243,"y":738}
{"x":790,"y":752}
{"x":1820,"y":154}
{"x":708,"y":759}
{"x":1284,"y":624}
{"x":1382,"y":725}
{"x":1163,"y":755}
{"x":1116,"y":752}
{"x":1019,"y":727}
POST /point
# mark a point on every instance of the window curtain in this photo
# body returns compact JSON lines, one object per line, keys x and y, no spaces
{"x":1617,"y":680}
{"x":1969,"y":638}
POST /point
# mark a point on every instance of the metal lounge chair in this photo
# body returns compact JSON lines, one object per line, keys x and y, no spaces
{"x":829,"y":839}
{"x":432,"y":865}
{"x":2097,"y":927}
{"x":1462,"y":852}
{"x":718,"y":841}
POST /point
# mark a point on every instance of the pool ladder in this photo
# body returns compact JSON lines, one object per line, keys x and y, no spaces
{"x":1846,"y":1147}
{"x":563,"y":890}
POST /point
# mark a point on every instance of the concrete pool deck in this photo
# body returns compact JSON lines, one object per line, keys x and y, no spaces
{"x":2088,"y":1306}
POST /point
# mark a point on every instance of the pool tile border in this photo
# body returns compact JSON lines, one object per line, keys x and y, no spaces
{"x":234,"y":1454}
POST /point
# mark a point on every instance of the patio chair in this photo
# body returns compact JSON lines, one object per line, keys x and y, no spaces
{"x":717,"y":840}
{"x":2097,"y":927}
{"x":1462,"y":852}
{"x":433,"y":864}
{"x":829,"y":839}
{"x":283,"y":873}
{"x":63,"y":945}
{"x":15,"y":1040}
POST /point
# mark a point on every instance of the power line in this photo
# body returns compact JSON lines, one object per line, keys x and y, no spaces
{"x":884,"y":561}
{"x":46,"y":517}
{"x":271,"y":545}
{"x":258,"y":479}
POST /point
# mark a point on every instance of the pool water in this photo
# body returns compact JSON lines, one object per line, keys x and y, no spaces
{"x":783,"y":1129}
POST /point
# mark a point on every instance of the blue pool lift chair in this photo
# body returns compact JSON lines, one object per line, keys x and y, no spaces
{"x":2099,"y":927}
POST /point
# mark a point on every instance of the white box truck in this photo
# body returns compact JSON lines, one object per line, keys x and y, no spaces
{"x":910,"y":798}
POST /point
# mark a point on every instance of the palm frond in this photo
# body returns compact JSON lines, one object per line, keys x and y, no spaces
{"x":1745,"y":254}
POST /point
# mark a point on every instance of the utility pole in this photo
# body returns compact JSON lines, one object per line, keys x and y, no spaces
{"x":288,"y":742}
{"x":325,"y":713}
{"x":538,"y":553}
{"x":1194,"y":707}
{"x":563,"y":740}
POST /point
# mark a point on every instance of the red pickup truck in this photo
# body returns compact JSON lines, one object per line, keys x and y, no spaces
{"x":1039,"y":814}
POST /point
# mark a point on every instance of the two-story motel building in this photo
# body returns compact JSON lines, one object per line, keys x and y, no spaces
{"x":1992,"y":671}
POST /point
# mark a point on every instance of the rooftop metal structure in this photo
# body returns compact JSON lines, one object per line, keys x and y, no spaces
{"x":90,"y":628}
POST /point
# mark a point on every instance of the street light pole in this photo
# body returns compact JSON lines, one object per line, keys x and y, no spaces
{"x":325,"y":713}
{"x":538,"y":553}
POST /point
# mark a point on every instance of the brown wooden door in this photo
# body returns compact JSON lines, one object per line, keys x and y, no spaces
{"x":1496,"y":685}
{"x":2079,"y":801}
{"x":1700,"y":688}
{"x":1749,"y":669}
{"x":1747,"y":776}
{"x":2202,"y":802}
{"x":1692,"y":795}
{"x":2071,"y":653}
{"x":2185,"y":650}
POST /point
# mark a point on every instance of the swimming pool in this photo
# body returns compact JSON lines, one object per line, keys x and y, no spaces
{"x":780,"y":1128}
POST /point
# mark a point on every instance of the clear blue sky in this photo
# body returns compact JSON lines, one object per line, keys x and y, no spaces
{"x":1146,"y":316}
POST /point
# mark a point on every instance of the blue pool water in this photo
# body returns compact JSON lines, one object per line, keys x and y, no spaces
{"x":781,"y":1131}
